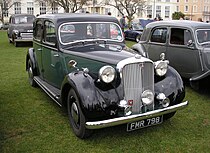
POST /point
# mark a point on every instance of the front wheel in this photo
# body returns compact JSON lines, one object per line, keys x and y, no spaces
{"x":138,"y":38}
{"x":76,"y":116}
{"x":31,"y":74}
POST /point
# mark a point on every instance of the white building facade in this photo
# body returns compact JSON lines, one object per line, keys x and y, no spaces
{"x":154,"y":8}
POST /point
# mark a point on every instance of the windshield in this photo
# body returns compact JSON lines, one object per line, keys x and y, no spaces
{"x":73,"y":32}
{"x":137,"y":26}
{"x":24,"y":19}
{"x":203,"y":36}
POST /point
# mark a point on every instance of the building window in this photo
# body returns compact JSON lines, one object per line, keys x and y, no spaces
{"x":158,"y":11}
{"x":5,"y":9}
{"x":17,"y":7}
{"x":186,"y":1}
{"x":107,"y":10}
{"x":195,"y":9}
{"x":168,"y":1}
{"x":177,"y":8}
{"x":30,"y":7}
{"x":167,"y":11}
{"x":186,"y":8}
{"x":149,"y":10}
{"x":42,"y":7}
{"x":177,"y":1}
{"x":54,"y":8}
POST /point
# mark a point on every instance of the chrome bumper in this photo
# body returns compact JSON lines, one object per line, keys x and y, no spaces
{"x":133,"y":118}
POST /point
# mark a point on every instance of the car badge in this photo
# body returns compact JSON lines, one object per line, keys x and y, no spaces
{"x":130,"y":102}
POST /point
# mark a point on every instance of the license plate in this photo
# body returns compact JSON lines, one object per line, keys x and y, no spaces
{"x":144,"y":123}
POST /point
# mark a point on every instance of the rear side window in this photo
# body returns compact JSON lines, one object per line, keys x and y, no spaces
{"x":180,"y":36}
{"x":49,"y":32}
{"x":38,"y":30}
{"x":159,"y":35}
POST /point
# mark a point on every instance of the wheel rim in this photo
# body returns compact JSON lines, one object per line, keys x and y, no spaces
{"x":138,"y":38}
{"x":75,"y":114}
{"x":30,"y":73}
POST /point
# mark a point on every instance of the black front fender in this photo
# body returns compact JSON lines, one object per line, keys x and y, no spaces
{"x":171,"y":85}
{"x":94,"y":102}
{"x":30,"y":55}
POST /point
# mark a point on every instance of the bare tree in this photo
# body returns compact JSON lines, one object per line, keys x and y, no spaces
{"x":5,"y":5}
{"x":128,"y":7}
{"x":68,"y":5}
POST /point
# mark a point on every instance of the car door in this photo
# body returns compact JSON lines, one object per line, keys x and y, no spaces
{"x":157,"y":43}
{"x":51,"y":56}
{"x":38,"y":46}
{"x":184,"y":58}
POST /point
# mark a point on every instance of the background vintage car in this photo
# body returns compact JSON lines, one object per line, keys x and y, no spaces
{"x":186,"y":45}
{"x":136,"y":29}
{"x":20,"y":28}
{"x":82,"y":63}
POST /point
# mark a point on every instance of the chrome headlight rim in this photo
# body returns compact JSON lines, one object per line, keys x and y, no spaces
{"x":16,"y":32}
{"x":107,"y":74}
{"x":161,"y":67}
{"x":147,"y":97}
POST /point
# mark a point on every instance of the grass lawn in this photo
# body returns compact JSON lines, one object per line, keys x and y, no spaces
{"x":31,"y":122}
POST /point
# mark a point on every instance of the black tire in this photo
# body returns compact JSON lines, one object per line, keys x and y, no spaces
{"x":168,"y":116}
{"x":138,"y":38}
{"x":31,"y":74}
{"x":76,"y":116}
{"x":16,"y":44}
{"x":195,"y":85}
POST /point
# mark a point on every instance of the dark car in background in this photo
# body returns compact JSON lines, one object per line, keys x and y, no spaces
{"x":186,"y":45}
{"x":20,"y":28}
{"x":82,"y":63}
{"x":136,"y":29}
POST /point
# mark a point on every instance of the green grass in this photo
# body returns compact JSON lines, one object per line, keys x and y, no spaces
{"x":31,"y":122}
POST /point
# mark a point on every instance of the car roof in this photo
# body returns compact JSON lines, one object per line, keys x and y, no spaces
{"x":180,"y":23}
{"x":24,"y":14}
{"x":75,"y":17}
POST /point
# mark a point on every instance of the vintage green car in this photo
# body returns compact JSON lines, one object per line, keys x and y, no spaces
{"x":83,"y":64}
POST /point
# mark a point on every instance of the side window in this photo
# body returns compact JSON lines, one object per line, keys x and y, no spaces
{"x":180,"y":36}
{"x":38,"y":30}
{"x":159,"y":35}
{"x":49,"y":33}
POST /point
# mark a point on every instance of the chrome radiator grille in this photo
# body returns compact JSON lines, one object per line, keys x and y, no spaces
{"x":26,"y":35}
{"x":138,"y":77}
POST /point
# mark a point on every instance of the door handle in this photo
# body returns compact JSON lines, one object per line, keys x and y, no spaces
{"x":56,"y":55}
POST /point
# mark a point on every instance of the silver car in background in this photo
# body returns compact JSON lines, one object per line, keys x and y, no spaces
{"x":186,"y":44}
{"x":20,"y":28}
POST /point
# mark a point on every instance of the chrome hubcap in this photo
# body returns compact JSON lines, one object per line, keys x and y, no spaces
{"x":75,"y":113}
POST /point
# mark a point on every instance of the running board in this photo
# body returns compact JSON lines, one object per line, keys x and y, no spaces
{"x":53,"y":92}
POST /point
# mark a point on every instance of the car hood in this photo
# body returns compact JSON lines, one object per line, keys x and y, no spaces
{"x":23,"y":27}
{"x":103,"y":54}
{"x":111,"y":57}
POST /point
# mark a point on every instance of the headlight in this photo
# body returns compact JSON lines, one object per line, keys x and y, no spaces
{"x":16,"y":31}
{"x":107,"y":74}
{"x":147,"y":97}
{"x":161,"y":67}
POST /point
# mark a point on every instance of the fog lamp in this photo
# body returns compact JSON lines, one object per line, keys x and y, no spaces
{"x":147,"y":97}
{"x":163,"y":99}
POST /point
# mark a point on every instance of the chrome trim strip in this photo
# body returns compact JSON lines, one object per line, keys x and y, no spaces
{"x":131,"y":60}
{"x":133,"y":118}
{"x":86,"y":40}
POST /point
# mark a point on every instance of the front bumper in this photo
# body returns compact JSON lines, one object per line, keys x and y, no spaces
{"x":133,"y":118}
